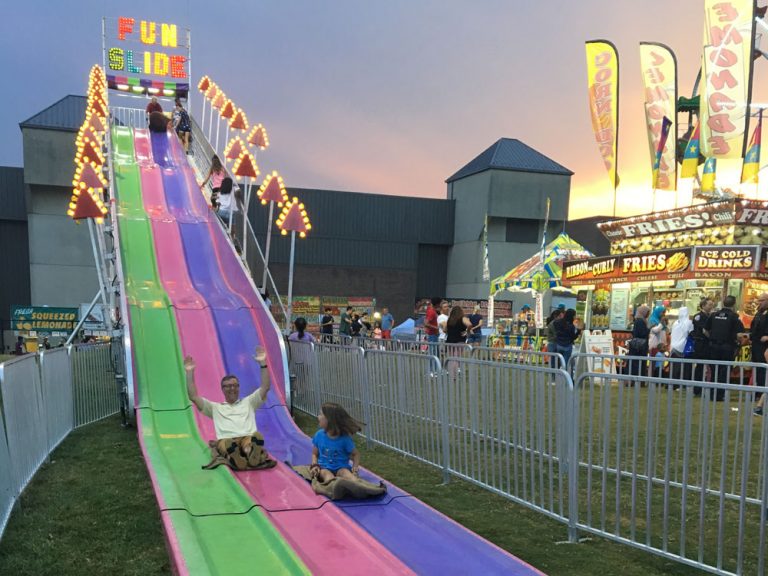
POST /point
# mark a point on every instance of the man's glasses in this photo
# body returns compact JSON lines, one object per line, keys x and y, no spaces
{"x":230,"y":386}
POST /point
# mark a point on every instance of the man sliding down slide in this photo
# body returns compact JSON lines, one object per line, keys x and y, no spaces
{"x":238,"y":444}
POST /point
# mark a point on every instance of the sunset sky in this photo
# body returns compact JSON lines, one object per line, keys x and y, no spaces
{"x":388,"y":97}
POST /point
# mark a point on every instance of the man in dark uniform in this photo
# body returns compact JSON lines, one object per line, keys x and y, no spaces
{"x":700,"y":340}
{"x":723,"y":328}
{"x":758,"y":334}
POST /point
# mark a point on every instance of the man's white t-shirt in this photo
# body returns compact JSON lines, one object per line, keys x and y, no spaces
{"x":234,"y":420}
{"x":441,"y":320}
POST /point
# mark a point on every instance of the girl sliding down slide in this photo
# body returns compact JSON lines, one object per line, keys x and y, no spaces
{"x":332,"y":445}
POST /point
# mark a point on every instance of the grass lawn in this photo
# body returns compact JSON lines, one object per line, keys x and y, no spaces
{"x":4,"y":357}
{"x":91,"y":510}
{"x":105,"y":520}
{"x":527,"y":534}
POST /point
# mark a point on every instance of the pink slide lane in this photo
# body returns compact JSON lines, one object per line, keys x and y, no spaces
{"x":325,"y":538}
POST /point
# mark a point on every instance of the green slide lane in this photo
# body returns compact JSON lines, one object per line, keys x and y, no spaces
{"x":209,"y":510}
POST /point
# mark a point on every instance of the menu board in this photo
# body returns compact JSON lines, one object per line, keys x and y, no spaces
{"x":619,"y":308}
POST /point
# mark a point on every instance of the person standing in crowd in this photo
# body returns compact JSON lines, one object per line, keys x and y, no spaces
{"x":759,"y":335}
{"x":153,"y":106}
{"x":658,"y":326}
{"x":701,"y":341}
{"x":182,"y":125}
{"x":216,"y":175}
{"x":475,"y":332}
{"x":638,"y":345}
{"x":445,"y":310}
{"x":456,"y":326}
{"x":345,"y":323}
{"x":552,"y":334}
{"x":679,"y":339}
{"x":430,"y":321}
{"x":387,"y":323}
{"x":356,"y":327}
{"x":723,"y":328}
{"x":20,"y":350}
{"x":301,"y":335}
{"x":566,"y":333}
{"x":267,"y":301}
{"x":326,"y":324}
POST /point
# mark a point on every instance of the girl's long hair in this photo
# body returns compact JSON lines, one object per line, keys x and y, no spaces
{"x":301,"y":325}
{"x":216,"y":164}
{"x":455,"y":317}
{"x":340,"y":423}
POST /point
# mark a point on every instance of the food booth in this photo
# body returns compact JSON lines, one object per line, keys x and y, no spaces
{"x":674,"y":258}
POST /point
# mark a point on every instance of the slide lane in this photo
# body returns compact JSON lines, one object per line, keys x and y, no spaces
{"x":206,"y":514}
{"x":228,"y":326}
{"x":426,"y":540}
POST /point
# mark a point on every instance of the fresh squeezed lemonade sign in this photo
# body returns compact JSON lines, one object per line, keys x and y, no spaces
{"x":159,"y":57}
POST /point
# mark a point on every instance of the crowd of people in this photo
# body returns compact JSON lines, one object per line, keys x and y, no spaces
{"x":711,"y":336}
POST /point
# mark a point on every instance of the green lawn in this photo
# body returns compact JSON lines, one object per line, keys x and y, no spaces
{"x":523,"y":532}
{"x":4,"y":357}
{"x":91,"y":510}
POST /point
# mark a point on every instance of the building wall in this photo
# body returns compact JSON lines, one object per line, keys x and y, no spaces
{"x":501,"y":194}
{"x":48,"y":157}
{"x":61,"y":265}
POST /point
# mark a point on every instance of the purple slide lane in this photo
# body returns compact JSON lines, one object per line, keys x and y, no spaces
{"x":314,"y":531}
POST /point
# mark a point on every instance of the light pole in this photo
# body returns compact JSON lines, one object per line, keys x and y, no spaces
{"x":272,"y":190}
{"x":202,"y":86}
{"x":245,"y":167}
{"x":292,"y":219}
{"x":217,"y":103}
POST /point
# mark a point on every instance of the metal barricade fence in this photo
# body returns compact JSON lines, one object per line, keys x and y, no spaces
{"x":673,"y":465}
{"x":405,"y":404}
{"x":509,"y":428}
{"x":340,"y":372}
{"x":43,"y":397}
{"x":56,"y":378}
{"x":25,"y":424}
{"x":302,"y":369}
{"x":7,"y":494}
{"x":519,"y":356}
{"x":96,"y":392}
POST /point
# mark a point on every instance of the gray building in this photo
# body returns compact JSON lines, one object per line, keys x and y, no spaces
{"x":508,"y":183}
{"x":391,"y":248}
{"x":61,"y":266}
{"x":14,"y":250}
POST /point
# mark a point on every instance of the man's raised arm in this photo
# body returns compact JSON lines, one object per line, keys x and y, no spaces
{"x":260,"y":355}
{"x":189,"y":368}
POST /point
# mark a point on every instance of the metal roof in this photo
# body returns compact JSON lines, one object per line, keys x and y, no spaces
{"x":67,"y":114}
{"x":12,"y":202}
{"x":511,"y":154}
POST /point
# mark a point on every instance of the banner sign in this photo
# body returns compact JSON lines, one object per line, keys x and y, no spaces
{"x":725,"y":258}
{"x":603,"y":86}
{"x":146,"y":57}
{"x":726,"y":82}
{"x":659,"y":68}
{"x":661,"y":265}
{"x":722,"y":223}
{"x":44,"y":320}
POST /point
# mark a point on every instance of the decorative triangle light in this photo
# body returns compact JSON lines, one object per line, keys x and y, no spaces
{"x":204,"y":83}
{"x":239,"y":120}
{"x":294,"y":218}
{"x":234,"y":148}
{"x":258,"y":137}
{"x":245,"y":166}
{"x":273,"y":189}
{"x":228,"y":110}
{"x":219,"y":100}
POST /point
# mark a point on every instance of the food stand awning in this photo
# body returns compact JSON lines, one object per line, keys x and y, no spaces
{"x":539,"y":275}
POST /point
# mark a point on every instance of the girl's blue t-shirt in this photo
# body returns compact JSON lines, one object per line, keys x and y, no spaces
{"x":333,"y":453}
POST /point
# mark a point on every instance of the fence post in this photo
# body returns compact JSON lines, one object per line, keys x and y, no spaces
{"x":363,"y":371}
{"x":572,"y":449}
{"x":442,"y":378}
